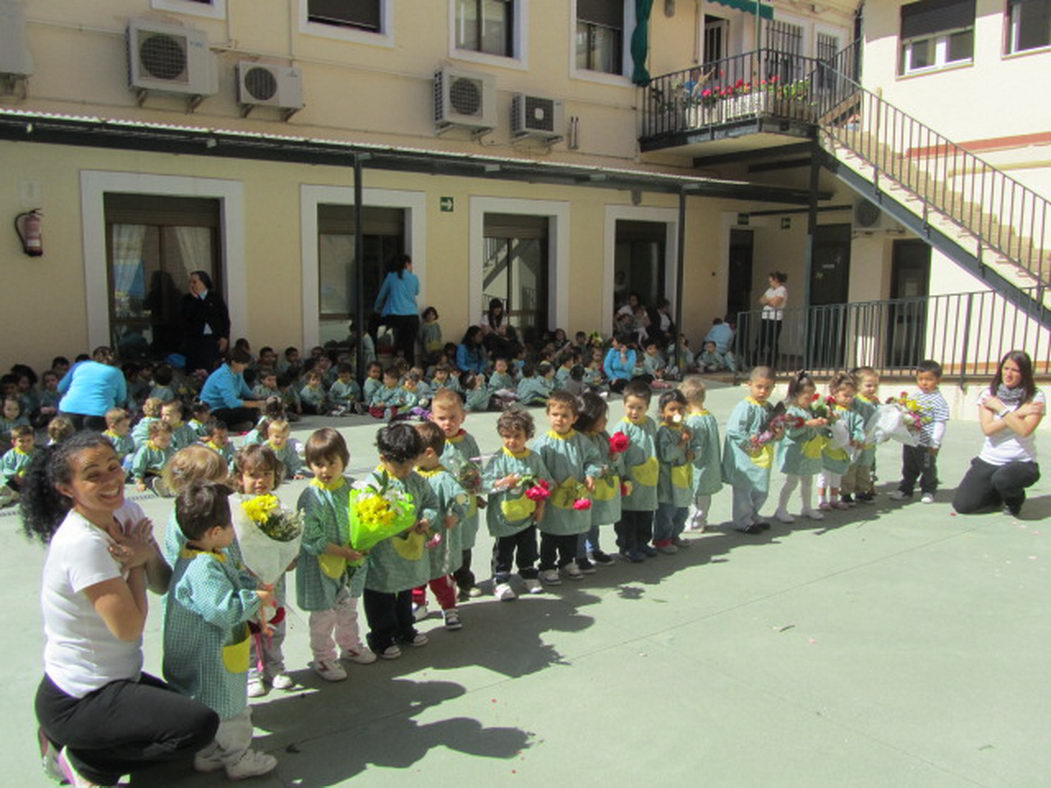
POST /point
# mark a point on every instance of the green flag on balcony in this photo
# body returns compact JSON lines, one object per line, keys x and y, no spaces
{"x":640,"y":41}
{"x":748,"y":6}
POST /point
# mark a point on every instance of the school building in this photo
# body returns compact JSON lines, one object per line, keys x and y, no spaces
{"x":893,"y":158}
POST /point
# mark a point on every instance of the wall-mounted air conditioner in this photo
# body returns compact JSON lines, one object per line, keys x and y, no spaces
{"x":15,"y":61}
{"x":536,"y":116}
{"x":869,"y":217}
{"x":167,"y":58}
{"x":465,"y":99}
{"x":266,"y":85}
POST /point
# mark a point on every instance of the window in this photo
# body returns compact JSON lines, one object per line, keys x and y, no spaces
{"x":1028,"y":24}
{"x":784,"y":42}
{"x":486,"y":26}
{"x":357,"y":14}
{"x":384,"y":231}
{"x":215,"y":9}
{"x":600,"y":35}
{"x":153,"y":243}
{"x":936,"y":33}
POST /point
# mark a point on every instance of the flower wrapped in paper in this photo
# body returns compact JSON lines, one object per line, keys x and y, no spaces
{"x":775,"y":426}
{"x":378,"y":512}
{"x":268,"y":535}
{"x":891,"y":423}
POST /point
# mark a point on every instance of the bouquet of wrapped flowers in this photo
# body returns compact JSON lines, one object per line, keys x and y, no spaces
{"x":824,"y":408}
{"x":378,"y":511}
{"x":776,"y":424}
{"x":467,"y":473}
{"x":268,"y":535}
{"x":901,"y":419}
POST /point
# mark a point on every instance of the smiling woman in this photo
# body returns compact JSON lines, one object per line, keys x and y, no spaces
{"x":100,"y":716}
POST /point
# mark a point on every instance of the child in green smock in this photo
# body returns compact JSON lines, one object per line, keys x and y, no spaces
{"x":746,"y":464}
{"x":704,"y":443}
{"x":642,"y":472}
{"x":675,"y":482}
{"x":799,"y":452}
{"x":606,"y":498}
{"x":836,"y":460}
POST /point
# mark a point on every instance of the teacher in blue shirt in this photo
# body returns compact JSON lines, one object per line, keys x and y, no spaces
{"x":396,"y":304}
{"x":91,"y":388}
{"x":229,"y":397}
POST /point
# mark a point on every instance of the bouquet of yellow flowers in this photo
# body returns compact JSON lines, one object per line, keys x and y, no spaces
{"x":378,"y":511}
{"x":268,"y":535}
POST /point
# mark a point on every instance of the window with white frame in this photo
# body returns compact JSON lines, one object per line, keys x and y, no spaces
{"x":1028,"y":25}
{"x":486,"y":26}
{"x":600,"y":35}
{"x":935,"y":34}
{"x":215,"y":9}
{"x":357,"y":14}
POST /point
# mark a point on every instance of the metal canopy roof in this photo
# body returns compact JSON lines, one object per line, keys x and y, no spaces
{"x":28,"y":126}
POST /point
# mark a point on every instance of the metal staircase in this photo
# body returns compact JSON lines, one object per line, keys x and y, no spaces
{"x":986,"y":221}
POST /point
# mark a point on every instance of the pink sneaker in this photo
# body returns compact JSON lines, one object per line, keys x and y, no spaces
{"x":840,"y":505}
{"x":824,"y":506}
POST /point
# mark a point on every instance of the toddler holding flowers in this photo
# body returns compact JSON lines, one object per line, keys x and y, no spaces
{"x":746,"y":465}
{"x":330,"y":575}
{"x":799,"y":453}
{"x":674,"y":486}
{"x":704,"y":443}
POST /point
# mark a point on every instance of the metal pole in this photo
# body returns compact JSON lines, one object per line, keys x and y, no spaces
{"x":811,"y":228}
{"x":679,"y":265}
{"x":357,"y":277}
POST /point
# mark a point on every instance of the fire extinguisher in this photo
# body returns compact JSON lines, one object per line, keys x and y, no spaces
{"x":27,"y":225}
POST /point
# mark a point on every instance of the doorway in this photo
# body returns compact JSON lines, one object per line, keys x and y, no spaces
{"x":829,"y":292}
{"x":638,"y":262}
{"x":716,"y":37}
{"x":514,"y":269}
{"x":910,"y":273}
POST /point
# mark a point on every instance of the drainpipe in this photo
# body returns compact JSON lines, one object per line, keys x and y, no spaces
{"x":357,"y":280}
{"x":679,"y":264}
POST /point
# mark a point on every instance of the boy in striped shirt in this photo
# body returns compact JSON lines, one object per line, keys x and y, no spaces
{"x":921,"y":461}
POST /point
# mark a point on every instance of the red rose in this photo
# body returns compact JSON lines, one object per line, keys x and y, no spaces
{"x":580,"y":504}
{"x":618,"y":443}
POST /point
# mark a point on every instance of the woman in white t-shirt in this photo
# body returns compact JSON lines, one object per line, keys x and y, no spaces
{"x":1009,"y":412}
{"x":100,"y":716}
{"x":773,"y":301}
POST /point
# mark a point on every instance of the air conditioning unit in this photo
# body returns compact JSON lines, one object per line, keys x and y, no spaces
{"x":869,"y":217}
{"x":535,"y":116}
{"x":15,"y":61}
{"x":464,"y":98}
{"x":170,"y":59}
{"x":265,"y":85}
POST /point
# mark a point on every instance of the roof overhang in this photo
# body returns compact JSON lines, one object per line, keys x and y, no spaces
{"x":55,"y":129}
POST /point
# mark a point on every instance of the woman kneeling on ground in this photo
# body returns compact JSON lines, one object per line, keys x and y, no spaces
{"x":100,"y":716}
{"x":1009,"y":412}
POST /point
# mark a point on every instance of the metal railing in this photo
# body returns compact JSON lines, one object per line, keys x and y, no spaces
{"x":1000,"y":213}
{"x":967,"y":333}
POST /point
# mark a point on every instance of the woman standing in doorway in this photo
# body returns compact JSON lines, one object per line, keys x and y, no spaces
{"x":206,"y":324}
{"x":100,"y":715}
{"x":396,"y":304}
{"x":773,"y":301}
{"x":498,"y":335}
{"x":1009,"y":412}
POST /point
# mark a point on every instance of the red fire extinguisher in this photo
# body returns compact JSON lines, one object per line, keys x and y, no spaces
{"x":27,"y":225}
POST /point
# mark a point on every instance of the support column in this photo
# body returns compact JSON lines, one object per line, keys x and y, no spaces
{"x":811,"y":228}
{"x":680,"y":256}
{"x":357,"y":279}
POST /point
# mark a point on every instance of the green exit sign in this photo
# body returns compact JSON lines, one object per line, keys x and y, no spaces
{"x":446,"y":204}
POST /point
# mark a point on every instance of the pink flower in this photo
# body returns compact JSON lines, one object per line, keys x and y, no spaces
{"x":580,"y":504}
{"x":538,"y":493}
{"x":619,"y":442}
{"x":706,"y":93}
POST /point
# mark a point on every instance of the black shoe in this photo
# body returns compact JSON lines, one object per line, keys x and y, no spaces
{"x":754,"y":529}
{"x":865,"y":497}
{"x":585,"y":566}
{"x":763,"y":526}
{"x":600,"y":558}
{"x":848,"y":498}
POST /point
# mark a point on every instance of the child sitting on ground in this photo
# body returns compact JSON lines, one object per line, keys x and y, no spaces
{"x":344,"y":396}
{"x":277,"y":438}
{"x":312,"y":395}
{"x":217,"y":438}
{"x":183,"y":434}
{"x":330,"y":575}
{"x":151,"y":412}
{"x":206,"y":630}
{"x":59,"y":429}
{"x":118,"y":425}
{"x":388,"y":400}
{"x":12,"y":417}
{"x":15,"y":461}
{"x":151,"y":457}
{"x":162,"y":383}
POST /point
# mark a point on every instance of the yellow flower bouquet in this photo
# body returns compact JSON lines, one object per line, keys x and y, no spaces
{"x":378,"y":511}
{"x":268,"y":535}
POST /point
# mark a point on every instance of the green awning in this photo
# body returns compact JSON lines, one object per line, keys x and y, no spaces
{"x":748,"y":6}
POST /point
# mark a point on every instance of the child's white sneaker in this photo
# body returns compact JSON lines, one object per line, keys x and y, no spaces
{"x":452,"y":619}
{"x":784,"y":516}
{"x":359,"y":655}
{"x":550,"y":577}
{"x":573,"y":571}
{"x":813,"y":514}
{"x":418,"y":640}
{"x":927,"y":498}
{"x":697,"y":524}
{"x":256,"y":688}
{"x":252,"y":764}
{"x":208,"y":760}
{"x":533,"y":586}
{"x":282,"y":681}
{"x":420,"y":612}
{"x":391,"y":652}
{"x":329,"y":669}
{"x":505,"y":593}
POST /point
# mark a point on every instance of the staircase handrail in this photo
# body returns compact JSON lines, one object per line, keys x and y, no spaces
{"x":1013,"y":205}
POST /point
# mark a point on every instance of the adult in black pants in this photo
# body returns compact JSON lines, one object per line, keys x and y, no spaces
{"x":100,"y":716}
{"x":205,"y":324}
{"x":773,"y":301}
{"x":396,"y":304}
{"x":1009,"y":411}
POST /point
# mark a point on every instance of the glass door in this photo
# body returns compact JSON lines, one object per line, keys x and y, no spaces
{"x":907,"y":313}
{"x":515,"y":270}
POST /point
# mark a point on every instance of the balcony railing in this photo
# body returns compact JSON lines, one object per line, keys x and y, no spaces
{"x":967,"y":333}
{"x":743,"y":87}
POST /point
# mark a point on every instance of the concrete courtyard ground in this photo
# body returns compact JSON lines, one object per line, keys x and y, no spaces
{"x":895,"y":645}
